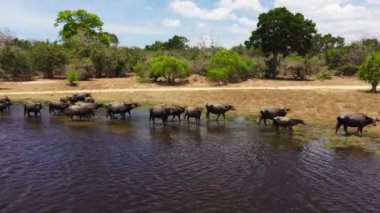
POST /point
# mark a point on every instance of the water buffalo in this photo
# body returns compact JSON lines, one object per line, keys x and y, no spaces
{"x":159,"y":112}
{"x":92,"y":106}
{"x":32,"y":107}
{"x":89,"y":100}
{"x":7,"y":101}
{"x":218,"y":109}
{"x":3,"y":106}
{"x":286,"y":122}
{"x":120,"y":108}
{"x":358,"y":120}
{"x":193,"y":112}
{"x":60,"y":107}
{"x":176,"y":111}
{"x":81,"y":111}
{"x":270,"y":113}
{"x":81,"y":96}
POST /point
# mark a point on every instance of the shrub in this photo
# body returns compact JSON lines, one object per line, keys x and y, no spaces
{"x":227,"y":65}
{"x":347,"y":70}
{"x":324,"y":75}
{"x":72,"y":76}
{"x":168,"y":67}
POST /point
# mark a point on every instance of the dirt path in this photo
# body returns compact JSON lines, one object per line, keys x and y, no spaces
{"x":194,"y":89}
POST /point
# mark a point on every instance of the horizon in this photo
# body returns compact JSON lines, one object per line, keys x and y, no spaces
{"x":227,"y":22}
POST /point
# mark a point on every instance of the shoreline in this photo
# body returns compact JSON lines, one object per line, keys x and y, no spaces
{"x":318,"y":108}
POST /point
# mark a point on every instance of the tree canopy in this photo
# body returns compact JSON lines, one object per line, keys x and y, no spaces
{"x":80,"y":20}
{"x":174,"y":43}
{"x":281,"y":32}
{"x":370,"y":70}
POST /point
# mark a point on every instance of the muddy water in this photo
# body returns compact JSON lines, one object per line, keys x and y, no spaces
{"x":53,"y":165}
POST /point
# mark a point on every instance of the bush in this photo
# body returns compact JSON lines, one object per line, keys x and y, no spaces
{"x":324,"y":75}
{"x":169,"y":68}
{"x":347,"y":70}
{"x":227,"y":65}
{"x":72,"y":76}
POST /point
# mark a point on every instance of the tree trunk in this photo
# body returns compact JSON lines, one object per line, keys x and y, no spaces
{"x":374,"y":86}
{"x":273,"y":69}
{"x":49,"y":74}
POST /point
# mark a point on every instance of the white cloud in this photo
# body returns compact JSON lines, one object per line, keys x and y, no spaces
{"x":338,"y":17}
{"x":249,"y":5}
{"x":147,"y":29}
{"x":171,"y":23}
{"x":189,"y":9}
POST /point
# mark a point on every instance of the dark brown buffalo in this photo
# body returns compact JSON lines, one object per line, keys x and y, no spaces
{"x":358,"y":120}
{"x":120,"y":108}
{"x":159,"y":112}
{"x":270,"y":113}
{"x":80,"y":111}
{"x":69,"y":99}
{"x":82,"y":96}
{"x":7,"y":101}
{"x":218,"y":109}
{"x":286,"y":122}
{"x":92,"y":106}
{"x":32,"y":107}
{"x":3,"y":106}
{"x":60,"y":107}
{"x":193,"y":112}
{"x":176,"y":111}
{"x":89,"y":100}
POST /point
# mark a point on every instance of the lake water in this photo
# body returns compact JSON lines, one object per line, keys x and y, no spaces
{"x":55,"y":165}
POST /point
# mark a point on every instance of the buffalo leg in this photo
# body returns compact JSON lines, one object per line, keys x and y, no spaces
{"x":224,"y":116}
{"x":337,"y":127}
{"x":208,"y":115}
{"x":345,"y":129}
{"x":217,"y":117}
{"x":261,"y":118}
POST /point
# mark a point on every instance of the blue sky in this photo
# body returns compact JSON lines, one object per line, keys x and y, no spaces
{"x":223,"y":22}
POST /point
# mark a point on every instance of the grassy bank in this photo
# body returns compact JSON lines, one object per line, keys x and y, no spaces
{"x":319,"y":109}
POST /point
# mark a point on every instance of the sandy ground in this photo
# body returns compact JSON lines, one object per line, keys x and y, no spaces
{"x":195,"y":83}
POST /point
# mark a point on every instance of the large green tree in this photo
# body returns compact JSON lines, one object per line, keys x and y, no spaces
{"x":80,"y":20}
{"x":280,"y":32}
{"x":370,"y":70}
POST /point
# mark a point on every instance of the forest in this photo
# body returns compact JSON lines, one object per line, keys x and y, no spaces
{"x":284,"y":45}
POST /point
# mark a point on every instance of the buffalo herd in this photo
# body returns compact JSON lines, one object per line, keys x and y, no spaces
{"x":83,"y":106}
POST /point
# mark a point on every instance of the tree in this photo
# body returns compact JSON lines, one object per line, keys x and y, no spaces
{"x":17,"y":62}
{"x":80,"y":20}
{"x":280,"y":32}
{"x":168,"y":67}
{"x":370,"y":70}
{"x":176,"y":43}
{"x":322,"y":43}
{"x":49,"y":57}
{"x":228,"y":65}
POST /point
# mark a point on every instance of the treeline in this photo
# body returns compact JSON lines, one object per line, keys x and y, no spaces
{"x":276,"y":48}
